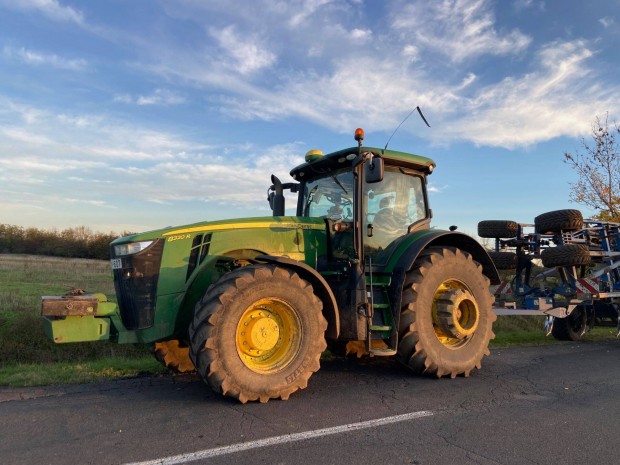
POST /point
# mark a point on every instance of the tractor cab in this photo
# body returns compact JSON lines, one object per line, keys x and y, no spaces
{"x":371,"y":200}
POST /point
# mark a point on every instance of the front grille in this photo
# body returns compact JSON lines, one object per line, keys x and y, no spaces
{"x":136,"y":286}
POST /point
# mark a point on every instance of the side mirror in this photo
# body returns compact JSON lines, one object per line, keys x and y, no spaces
{"x":276,"y":198}
{"x":374,"y":170}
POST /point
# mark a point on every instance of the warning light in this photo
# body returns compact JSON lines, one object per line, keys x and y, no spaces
{"x":359,"y":134}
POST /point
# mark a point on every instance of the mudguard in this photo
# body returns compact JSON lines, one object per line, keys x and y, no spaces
{"x":405,"y":255}
{"x":321,"y":289}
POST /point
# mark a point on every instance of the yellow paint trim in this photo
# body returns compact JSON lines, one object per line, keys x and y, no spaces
{"x":263,"y":224}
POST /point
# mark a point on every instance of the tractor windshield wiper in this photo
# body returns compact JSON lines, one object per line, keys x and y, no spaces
{"x":340,"y":184}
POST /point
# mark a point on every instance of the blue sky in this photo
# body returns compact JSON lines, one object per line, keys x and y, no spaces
{"x":134,"y":115}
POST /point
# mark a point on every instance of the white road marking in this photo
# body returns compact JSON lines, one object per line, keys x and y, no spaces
{"x":278,"y":440}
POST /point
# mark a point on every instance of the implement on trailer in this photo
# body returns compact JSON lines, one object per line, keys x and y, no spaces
{"x":580,"y":287}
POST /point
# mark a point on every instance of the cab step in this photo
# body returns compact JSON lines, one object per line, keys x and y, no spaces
{"x":380,"y":328}
{"x":387,"y":352}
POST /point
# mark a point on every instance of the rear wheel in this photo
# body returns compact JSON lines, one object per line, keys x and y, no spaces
{"x":446,"y":318}
{"x":258,"y":333}
{"x":572,"y":328}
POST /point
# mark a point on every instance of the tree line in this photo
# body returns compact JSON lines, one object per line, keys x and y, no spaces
{"x":79,"y":242}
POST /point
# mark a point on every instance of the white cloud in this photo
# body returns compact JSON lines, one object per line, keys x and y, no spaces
{"x":50,"y":8}
{"x":247,"y":52}
{"x":162,"y":97}
{"x":411,"y":52}
{"x":234,"y":181}
{"x":42,"y":59}
{"x":361,"y":35}
{"x":46,"y":134}
{"x":34,"y":165}
{"x":607,"y":21}
{"x":306,"y":9}
{"x":558,"y":98}
{"x":520,"y":5}
{"x":458,"y":29}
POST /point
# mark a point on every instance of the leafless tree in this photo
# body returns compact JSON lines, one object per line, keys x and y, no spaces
{"x":598,"y":168}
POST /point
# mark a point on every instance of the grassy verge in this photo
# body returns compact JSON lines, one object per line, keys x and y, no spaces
{"x":515,"y":330}
{"x":27,"y":358}
{"x":37,"y":374}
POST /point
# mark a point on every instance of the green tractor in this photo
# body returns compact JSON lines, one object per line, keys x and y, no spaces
{"x":252,"y":303}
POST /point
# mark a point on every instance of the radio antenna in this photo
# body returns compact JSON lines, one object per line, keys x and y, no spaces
{"x":401,"y":123}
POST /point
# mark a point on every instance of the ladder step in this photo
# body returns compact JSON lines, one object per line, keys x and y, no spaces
{"x":382,"y":352}
{"x":381,"y":306}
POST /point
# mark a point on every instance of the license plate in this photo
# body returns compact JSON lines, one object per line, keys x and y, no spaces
{"x":117,"y":264}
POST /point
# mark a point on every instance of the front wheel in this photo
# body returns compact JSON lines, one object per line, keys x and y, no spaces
{"x":258,"y":333}
{"x":446,"y":318}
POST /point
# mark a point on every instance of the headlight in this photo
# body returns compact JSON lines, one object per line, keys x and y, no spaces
{"x":131,"y":248}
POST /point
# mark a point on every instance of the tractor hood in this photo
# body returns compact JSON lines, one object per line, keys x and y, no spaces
{"x":171,"y":234}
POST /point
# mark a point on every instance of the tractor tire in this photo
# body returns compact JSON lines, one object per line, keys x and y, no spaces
{"x":504,"y":260}
{"x":558,"y":221}
{"x":572,"y":328}
{"x":502,"y":229}
{"x":434,"y":338}
{"x":174,"y":355}
{"x":258,"y":334}
{"x":566,"y":255}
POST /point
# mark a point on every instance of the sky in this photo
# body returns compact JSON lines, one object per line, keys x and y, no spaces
{"x":136,"y":115}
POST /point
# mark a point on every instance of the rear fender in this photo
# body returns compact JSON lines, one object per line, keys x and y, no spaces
{"x":411,"y":249}
{"x":321,"y":289}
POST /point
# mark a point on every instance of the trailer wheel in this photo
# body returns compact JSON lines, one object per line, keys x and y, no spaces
{"x":446,"y":317}
{"x":566,"y":255}
{"x":503,"y":229}
{"x":504,"y":260}
{"x":558,"y":221}
{"x":174,"y":355}
{"x":572,"y":328}
{"x":258,"y":333}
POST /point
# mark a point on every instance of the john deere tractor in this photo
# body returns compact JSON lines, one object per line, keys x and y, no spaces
{"x":253,"y":303}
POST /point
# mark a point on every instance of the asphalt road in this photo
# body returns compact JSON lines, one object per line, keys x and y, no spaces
{"x":528,"y":405}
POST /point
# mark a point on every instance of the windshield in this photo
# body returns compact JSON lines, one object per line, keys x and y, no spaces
{"x":329,"y":197}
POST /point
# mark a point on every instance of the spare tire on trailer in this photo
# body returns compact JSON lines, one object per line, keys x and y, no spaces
{"x":566,"y":255}
{"x":502,"y":229}
{"x":558,"y":221}
{"x":504,"y":260}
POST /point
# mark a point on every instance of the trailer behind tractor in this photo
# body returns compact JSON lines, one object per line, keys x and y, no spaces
{"x":252,"y":303}
{"x":580,"y":287}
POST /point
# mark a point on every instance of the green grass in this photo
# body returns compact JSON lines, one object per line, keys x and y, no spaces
{"x":25,"y":352}
{"x":37,"y":374}
{"x":519,"y":330}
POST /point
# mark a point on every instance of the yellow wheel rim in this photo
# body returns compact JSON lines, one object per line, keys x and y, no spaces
{"x":268,"y":335}
{"x":455,"y":314}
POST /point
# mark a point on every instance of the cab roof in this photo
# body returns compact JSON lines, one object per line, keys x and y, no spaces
{"x":342,"y":158}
